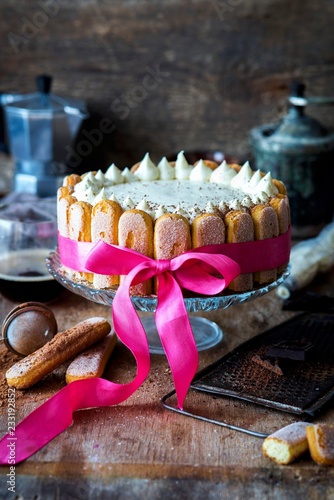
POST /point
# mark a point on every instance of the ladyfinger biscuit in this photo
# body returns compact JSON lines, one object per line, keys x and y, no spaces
{"x":105,"y":220}
{"x":280,"y":186}
{"x":92,"y":361}
{"x":135,"y":231}
{"x":265,"y":226}
{"x":209,"y":163}
{"x":71,"y":180}
{"x":64,"y":191}
{"x":171,"y":236}
{"x":80,"y":215}
{"x":63,"y":347}
{"x":286,"y":444}
{"x":235,"y":166}
{"x":64,"y":202}
{"x":207,"y":229}
{"x":281,"y":206}
{"x":240,"y":228}
{"x":320,"y":438}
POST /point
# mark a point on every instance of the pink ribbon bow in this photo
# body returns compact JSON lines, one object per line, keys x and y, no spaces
{"x":193,"y":271}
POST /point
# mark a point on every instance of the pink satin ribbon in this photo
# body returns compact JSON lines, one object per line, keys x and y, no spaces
{"x":207,"y":270}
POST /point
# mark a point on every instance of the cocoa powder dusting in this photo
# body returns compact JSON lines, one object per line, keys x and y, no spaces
{"x":7,"y":359}
{"x":39,"y":392}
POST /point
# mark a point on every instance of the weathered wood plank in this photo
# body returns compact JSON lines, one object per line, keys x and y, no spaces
{"x":227,"y":65}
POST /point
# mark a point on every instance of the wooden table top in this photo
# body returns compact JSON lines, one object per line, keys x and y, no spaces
{"x":139,"y":449}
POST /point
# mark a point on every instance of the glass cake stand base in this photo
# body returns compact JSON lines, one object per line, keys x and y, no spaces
{"x":207,"y":334}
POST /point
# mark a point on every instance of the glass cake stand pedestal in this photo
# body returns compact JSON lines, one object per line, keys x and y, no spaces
{"x":207,"y":333}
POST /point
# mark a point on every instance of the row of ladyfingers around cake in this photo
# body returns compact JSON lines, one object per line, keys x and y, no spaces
{"x":171,"y":234}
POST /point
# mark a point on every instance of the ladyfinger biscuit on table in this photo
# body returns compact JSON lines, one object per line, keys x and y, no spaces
{"x":105,"y":220}
{"x":240,"y":228}
{"x":265,"y":226}
{"x":286,"y":444}
{"x":207,"y":229}
{"x":80,"y":215}
{"x":281,"y":206}
{"x":63,"y":347}
{"x":320,"y":438}
{"x":135,"y":231}
{"x":92,"y":361}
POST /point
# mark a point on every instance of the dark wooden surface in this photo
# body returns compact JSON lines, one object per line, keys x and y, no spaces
{"x":141,"y":450}
{"x":225,"y":66}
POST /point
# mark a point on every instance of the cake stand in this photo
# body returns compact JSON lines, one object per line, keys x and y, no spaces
{"x":207,"y":333}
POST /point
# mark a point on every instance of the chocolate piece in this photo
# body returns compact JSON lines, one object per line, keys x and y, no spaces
{"x":269,"y":364}
{"x":298,"y":350}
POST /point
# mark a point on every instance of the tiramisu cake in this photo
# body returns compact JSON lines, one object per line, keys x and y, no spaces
{"x":166,"y":209}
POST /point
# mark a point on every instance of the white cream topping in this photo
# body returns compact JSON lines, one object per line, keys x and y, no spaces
{"x":223,"y":174}
{"x":128,"y":204}
{"x":100,"y":177}
{"x":235,"y":205}
{"x":102,"y":195}
{"x":147,"y":171}
{"x":114,"y":174}
{"x":256,"y":177}
{"x":243,"y":176}
{"x":266,"y":185}
{"x":143,"y":205}
{"x":189,"y":197}
{"x":128,"y":176}
{"x":200,"y":172}
{"x":87,"y":182}
{"x":179,"y":210}
{"x":182,"y":167}
{"x":88,"y":195}
{"x":159,"y":212}
{"x":167,"y":172}
{"x":112,"y":197}
{"x":223,"y":206}
{"x":210,"y":208}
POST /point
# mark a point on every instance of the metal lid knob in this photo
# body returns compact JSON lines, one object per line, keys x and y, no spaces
{"x":43,"y":84}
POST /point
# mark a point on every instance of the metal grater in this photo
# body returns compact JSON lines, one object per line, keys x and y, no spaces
{"x":304,"y":387}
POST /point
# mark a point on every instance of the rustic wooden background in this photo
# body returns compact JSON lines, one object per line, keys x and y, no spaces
{"x":178,"y":74}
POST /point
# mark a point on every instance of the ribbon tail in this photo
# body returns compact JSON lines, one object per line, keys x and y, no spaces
{"x":37,"y":429}
{"x":127,"y":324}
{"x":56,"y":414}
{"x":176,"y":335}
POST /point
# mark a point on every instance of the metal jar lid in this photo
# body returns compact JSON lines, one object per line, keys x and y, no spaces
{"x":28,"y":327}
{"x":297,"y":132}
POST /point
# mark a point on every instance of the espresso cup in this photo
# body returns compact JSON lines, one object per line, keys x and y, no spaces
{"x":24,"y":246}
